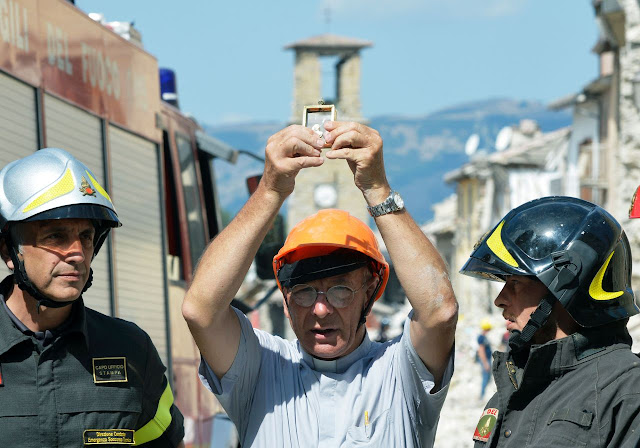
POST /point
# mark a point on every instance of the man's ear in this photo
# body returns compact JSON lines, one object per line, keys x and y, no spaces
{"x":374,"y":284}
{"x":4,"y":253}
{"x":285,"y":306}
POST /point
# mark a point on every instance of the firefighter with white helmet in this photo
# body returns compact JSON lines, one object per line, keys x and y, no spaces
{"x":569,"y":378}
{"x":69,"y":376}
{"x":51,"y":185}
{"x":333,"y":386}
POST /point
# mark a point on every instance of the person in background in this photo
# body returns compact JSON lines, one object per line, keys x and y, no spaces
{"x":384,"y":327}
{"x":483,"y":355}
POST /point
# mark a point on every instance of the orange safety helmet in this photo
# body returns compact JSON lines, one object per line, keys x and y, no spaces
{"x":325,"y":232}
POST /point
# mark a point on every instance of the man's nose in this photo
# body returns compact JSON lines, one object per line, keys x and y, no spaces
{"x":502,"y":299}
{"x":322,"y":307}
{"x":74,"y":250}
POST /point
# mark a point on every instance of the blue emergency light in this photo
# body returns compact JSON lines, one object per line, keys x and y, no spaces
{"x":168,"y":89}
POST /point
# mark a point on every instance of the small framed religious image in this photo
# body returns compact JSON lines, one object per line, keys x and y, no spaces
{"x":315,"y":116}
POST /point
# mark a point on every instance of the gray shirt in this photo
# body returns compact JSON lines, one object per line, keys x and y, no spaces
{"x":279,"y":396}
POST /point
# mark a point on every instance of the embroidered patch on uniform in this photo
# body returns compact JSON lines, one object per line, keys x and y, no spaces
{"x":485,"y":425}
{"x":110,"y":370}
{"x":108,"y":437}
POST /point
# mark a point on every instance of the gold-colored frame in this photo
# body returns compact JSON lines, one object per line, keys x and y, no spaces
{"x":331,"y":108}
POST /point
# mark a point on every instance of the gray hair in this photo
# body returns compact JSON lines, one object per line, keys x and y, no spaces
{"x":16,"y":232}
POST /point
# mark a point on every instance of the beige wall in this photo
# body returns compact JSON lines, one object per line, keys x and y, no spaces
{"x":301,"y":203}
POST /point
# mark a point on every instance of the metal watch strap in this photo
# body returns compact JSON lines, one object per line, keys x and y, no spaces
{"x":386,"y":206}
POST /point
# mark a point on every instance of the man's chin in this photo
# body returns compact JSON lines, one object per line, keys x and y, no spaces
{"x":67,"y":294}
{"x":325,"y":351}
{"x":512,"y":326}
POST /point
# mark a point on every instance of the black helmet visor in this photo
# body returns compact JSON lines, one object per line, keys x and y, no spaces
{"x":480,"y":269}
{"x":538,"y":237}
{"x":92,"y":212}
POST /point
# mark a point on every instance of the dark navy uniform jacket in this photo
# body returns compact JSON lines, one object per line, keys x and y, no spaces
{"x":97,"y":381}
{"x":578,"y":391}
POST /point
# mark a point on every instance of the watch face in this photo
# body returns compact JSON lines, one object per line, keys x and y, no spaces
{"x":398,"y":200}
{"x":325,"y":195}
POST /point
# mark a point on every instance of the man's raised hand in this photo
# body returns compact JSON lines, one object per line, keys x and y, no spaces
{"x":361,"y":147}
{"x":287,"y":152}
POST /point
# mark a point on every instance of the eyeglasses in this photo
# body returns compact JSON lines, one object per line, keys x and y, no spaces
{"x":339,"y":296}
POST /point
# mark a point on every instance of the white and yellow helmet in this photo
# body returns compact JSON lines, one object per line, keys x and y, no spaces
{"x":52,"y":184}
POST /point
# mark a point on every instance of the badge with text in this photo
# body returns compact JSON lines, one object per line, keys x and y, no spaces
{"x":108,"y":437}
{"x":485,"y":425}
{"x":110,"y":370}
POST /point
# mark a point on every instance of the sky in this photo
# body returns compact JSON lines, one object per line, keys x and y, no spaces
{"x":427,"y":54}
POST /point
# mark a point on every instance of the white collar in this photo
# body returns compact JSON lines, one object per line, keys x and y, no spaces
{"x":339,"y":365}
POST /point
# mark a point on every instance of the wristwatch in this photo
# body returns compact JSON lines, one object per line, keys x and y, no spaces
{"x":393,"y":203}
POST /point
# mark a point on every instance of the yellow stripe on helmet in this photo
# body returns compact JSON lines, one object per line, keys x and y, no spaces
{"x":595,"y":288}
{"x":98,"y":187}
{"x":159,"y":423}
{"x":497,"y":247}
{"x":62,"y":187}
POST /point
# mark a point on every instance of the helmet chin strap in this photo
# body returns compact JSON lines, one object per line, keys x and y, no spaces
{"x":521,"y":340}
{"x":23,"y":282}
{"x":367,"y":310}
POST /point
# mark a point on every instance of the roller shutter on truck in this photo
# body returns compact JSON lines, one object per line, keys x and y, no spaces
{"x":18,"y":125}
{"x":80,"y":133}
{"x":139,"y":253}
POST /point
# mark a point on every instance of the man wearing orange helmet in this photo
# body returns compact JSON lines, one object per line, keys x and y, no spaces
{"x":333,"y":386}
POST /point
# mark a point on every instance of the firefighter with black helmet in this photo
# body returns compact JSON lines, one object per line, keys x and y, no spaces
{"x":69,"y":376}
{"x":569,"y":377}
{"x":333,"y":386}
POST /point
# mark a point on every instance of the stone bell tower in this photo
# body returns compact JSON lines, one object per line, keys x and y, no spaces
{"x":331,"y":185}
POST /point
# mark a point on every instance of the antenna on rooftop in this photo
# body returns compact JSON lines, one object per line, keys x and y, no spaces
{"x":472,"y":144}
{"x":503,"y":140}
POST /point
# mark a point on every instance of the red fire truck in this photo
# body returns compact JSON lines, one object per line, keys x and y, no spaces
{"x":67,"y":81}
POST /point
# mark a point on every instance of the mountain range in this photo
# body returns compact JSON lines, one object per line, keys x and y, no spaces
{"x":418,"y":150}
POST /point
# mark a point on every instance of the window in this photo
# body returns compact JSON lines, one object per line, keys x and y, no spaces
{"x":174,"y":243}
{"x":192,"y":201}
{"x":209,"y":192}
